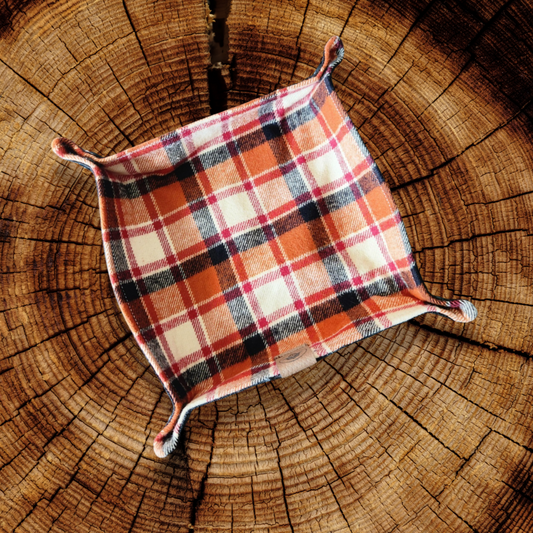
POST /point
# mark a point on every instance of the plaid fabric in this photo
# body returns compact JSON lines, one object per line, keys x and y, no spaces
{"x":251,"y":232}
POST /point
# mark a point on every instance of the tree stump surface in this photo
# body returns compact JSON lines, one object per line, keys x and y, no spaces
{"x":425,"y":428}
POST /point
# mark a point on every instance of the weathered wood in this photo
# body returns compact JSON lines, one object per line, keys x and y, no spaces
{"x":427,"y":427}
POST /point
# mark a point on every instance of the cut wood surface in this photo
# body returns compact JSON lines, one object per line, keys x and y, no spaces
{"x":427,"y":427}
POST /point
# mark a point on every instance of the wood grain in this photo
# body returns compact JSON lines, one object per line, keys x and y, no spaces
{"x":424,"y":428}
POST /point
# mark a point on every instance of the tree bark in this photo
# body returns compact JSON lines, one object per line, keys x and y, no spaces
{"x":427,"y":427}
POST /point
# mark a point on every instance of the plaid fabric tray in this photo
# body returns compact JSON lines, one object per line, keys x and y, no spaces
{"x":247,"y":245}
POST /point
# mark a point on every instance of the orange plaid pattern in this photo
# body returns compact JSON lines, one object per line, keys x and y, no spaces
{"x":238,"y":238}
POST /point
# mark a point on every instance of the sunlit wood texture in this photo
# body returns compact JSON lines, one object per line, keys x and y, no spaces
{"x":425,"y":428}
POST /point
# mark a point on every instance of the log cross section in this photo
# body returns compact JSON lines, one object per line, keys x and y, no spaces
{"x":425,"y":427}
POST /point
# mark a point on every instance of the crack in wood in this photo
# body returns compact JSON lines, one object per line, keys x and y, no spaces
{"x":127,"y":12}
{"x":477,"y":236}
{"x":472,"y":342}
{"x":466,"y":461}
{"x":413,"y":419}
{"x":220,"y":68}
{"x":433,"y":171}
{"x":416,"y":23}
{"x":42,"y":94}
{"x":198,"y":499}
